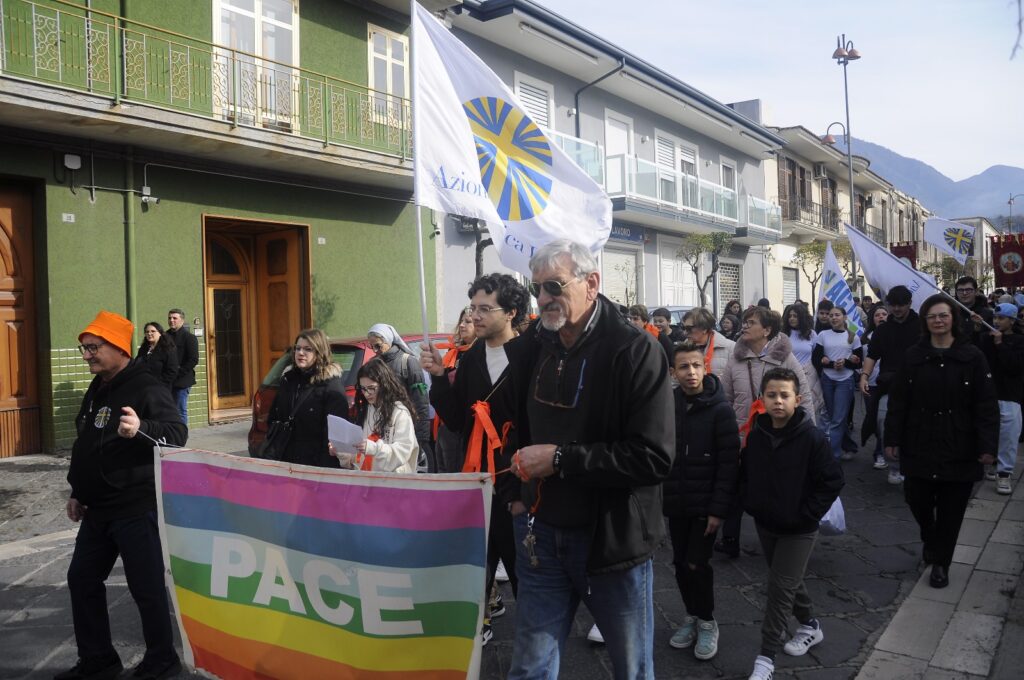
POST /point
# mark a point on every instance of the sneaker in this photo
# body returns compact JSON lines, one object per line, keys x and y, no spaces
{"x":500,"y":575}
{"x":764,"y":669}
{"x":707,"y":640}
{"x":729,"y":546}
{"x":157,"y":671}
{"x":990,"y":473}
{"x":595,"y":635}
{"x":880,"y":462}
{"x":93,"y":669}
{"x":686,"y":635}
{"x":804,"y":638}
{"x":1003,"y":485}
{"x":497,"y":607}
{"x":846,"y":455}
{"x":486,"y":634}
{"x":895,"y":477}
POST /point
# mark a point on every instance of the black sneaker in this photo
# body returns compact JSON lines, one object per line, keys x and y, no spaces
{"x":497,"y":607}
{"x":157,"y":670}
{"x":486,"y":634}
{"x":106,"y":668}
{"x":729,"y":546}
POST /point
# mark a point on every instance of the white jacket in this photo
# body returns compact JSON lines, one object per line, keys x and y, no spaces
{"x":398,"y":451}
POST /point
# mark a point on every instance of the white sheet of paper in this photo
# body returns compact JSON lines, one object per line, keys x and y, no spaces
{"x":343,"y":434}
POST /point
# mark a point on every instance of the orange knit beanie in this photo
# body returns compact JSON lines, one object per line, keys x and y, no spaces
{"x":113,"y":328}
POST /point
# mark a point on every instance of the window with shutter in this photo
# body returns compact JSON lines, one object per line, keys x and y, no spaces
{"x":665,"y":152}
{"x":729,"y":285}
{"x":688,"y":161}
{"x":790,"y":286}
{"x":536,"y":98}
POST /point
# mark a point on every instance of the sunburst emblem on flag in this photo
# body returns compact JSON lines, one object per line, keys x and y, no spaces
{"x":514,"y":157}
{"x":959,"y":240}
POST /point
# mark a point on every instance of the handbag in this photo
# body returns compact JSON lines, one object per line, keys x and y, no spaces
{"x":278,"y":433}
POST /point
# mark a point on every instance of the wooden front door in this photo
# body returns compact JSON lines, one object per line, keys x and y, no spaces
{"x":229,"y":305}
{"x":19,"y":398}
{"x":279,"y":293}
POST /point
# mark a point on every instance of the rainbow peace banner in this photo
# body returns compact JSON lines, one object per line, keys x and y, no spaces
{"x":288,"y":571}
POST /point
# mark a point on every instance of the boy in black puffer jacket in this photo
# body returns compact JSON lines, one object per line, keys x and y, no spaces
{"x":789,"y":479}
{"x":699,"y":491}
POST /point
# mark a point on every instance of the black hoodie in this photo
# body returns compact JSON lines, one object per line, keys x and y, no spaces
{"x":705,"y":473}
{"x":109,"y":474}
{"x":788,"y":476}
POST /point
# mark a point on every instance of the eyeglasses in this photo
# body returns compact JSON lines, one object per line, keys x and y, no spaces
{"x":482,"y":310}
{"x":553,"y":287}
{"x":943,"y":316}
{"x":369,"y":389}
{"x":555,"y":399}
{"x":304,"y":349}
{"x":90,"y":348}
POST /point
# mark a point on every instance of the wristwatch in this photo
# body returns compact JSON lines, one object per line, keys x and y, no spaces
{"x":556,"y":460}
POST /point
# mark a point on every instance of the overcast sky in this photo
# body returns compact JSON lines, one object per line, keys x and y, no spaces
{"x":935,"y":82}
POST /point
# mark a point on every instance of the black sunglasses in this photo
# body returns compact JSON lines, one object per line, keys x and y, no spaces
{"x":553,"y":288}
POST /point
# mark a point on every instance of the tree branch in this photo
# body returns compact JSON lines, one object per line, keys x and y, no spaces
{"x":1020,"y":29}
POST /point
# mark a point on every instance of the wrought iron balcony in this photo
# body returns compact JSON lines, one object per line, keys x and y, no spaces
{"x":107,"y":55}
{"x":797,"y":209}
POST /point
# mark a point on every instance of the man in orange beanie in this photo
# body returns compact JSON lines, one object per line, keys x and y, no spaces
{"x":113,"y":495}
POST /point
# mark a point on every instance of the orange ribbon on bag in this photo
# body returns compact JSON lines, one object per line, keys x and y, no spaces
{"x":709,"y":353}
{"x":482,"y":425}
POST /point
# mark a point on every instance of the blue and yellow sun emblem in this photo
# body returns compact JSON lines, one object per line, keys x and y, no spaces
{"x":514,"y":157}
{"x":960,"y":240}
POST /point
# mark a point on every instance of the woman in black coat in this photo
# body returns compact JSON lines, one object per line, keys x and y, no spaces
{"x":158,"y":353}
{"x":943,"y":425}
{"x":310,"y":390}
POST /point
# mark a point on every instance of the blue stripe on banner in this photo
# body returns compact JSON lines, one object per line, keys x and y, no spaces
{"x":358,"y":543}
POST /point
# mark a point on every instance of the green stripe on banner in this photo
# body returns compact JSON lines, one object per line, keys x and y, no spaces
{"x":439,"y":619}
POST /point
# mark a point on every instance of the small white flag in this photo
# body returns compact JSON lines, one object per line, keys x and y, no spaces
{"x":952,"y":238}
{"x":883,"y":270}
{"x":836,"y":290}
{"x":478,"y":154}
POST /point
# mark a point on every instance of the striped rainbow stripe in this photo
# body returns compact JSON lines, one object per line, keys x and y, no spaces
{"x":281,"y":571}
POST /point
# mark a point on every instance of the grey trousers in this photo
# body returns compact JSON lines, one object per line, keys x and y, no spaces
{"x":787,"y":556}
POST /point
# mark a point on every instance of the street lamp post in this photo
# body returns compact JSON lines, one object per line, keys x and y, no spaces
{"x":844,"y":54}
{"x":1009,"y":227}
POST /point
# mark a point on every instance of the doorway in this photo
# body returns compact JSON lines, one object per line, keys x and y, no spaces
{"x":19,"y":396}
{"x":257,"y":300}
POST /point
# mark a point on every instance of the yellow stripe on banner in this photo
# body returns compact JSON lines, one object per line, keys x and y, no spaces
{"x":326,"y":641}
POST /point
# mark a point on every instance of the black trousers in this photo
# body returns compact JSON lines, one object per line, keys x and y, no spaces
{"x":939,"y":507}
{"x":501,"y":545}
{"x":691,"y":554}
{"x":137,"y":541}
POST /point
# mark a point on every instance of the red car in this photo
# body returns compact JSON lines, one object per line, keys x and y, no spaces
{"x":350,"y":354}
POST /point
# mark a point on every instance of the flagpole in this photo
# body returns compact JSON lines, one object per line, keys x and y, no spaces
{"x":935,"y":285}
{"x":415,"y":183}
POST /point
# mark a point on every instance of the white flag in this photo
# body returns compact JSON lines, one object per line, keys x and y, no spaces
{"x":883,"y":270}
{"x":952,"y":238}
{"x":836,"y":290}
{"x":478,"y":154}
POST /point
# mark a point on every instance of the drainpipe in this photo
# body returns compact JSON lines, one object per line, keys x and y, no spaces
{"x":576,"y":97}
{"x":129,"y":242}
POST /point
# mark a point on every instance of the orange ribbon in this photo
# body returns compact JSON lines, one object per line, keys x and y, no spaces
{"x":482,"y":425}
{"x":709,"y":353}
{"x":652,"y":329}
{"x":756,"y":409}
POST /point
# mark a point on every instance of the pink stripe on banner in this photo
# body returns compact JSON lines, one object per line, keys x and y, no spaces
{"x":413,"y":509}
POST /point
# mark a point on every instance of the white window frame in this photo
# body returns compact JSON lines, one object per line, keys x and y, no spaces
{"x":370,"y":55}
{"x":628,"y":178}
{"x":726,"y":162}
{"x":520,"y":78}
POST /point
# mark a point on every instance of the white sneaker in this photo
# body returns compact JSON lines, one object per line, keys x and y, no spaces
{"x":990,"y":472}
{"x":500,"y":575}
{"x":595,"y":635}
{"x":895,"y":477}
{"x":1003,"y":486}
{"x":764,"y":669}
{"x":804,"y":638}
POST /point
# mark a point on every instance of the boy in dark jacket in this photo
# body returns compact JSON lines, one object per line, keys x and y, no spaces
{"x":790,"y":479}
{"x":699,"y":491}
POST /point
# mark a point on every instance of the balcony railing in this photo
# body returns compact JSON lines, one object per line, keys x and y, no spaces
{"x":798,"y":209}
{"x":629,"y":175}
{"x":110,"y":56}
{"x":588,"y":155}
{"x":761,"y":213}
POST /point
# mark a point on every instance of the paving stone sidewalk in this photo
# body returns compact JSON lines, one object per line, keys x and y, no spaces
{"x":859,"y":582}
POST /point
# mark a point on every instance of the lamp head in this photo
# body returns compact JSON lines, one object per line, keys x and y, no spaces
{"x":852,"y":54}
{"x":828,"y":139}
{"x":840,"y":54}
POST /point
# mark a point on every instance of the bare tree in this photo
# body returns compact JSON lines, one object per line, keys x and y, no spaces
{"x":693,"y":250}
{"x":629,"y":274}
{"x":1020,"y":29}
{"x":810,"y":257}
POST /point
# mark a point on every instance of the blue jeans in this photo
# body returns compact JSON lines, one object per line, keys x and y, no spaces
{"x":838,"y":400}
{"x":137,"y":541}
{"x":622,"y":603}
{"x":181,"y":399}
{"x":1009,"y":433}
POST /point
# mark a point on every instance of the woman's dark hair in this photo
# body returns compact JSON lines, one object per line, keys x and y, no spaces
{"x":702,"y":319}
{"x":767,"y":318}
{"x":734,"y":303}
{"x":512,"y":295}
{"x":390,"y":391}
{"x":165,"y":342}
{"x":938,"y":299}
{"x":869,"y":324}
{"x":804,"y":322}
{"x":735,"y":321}
{"x":779,"y":373}
{"x":825,"y":304}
